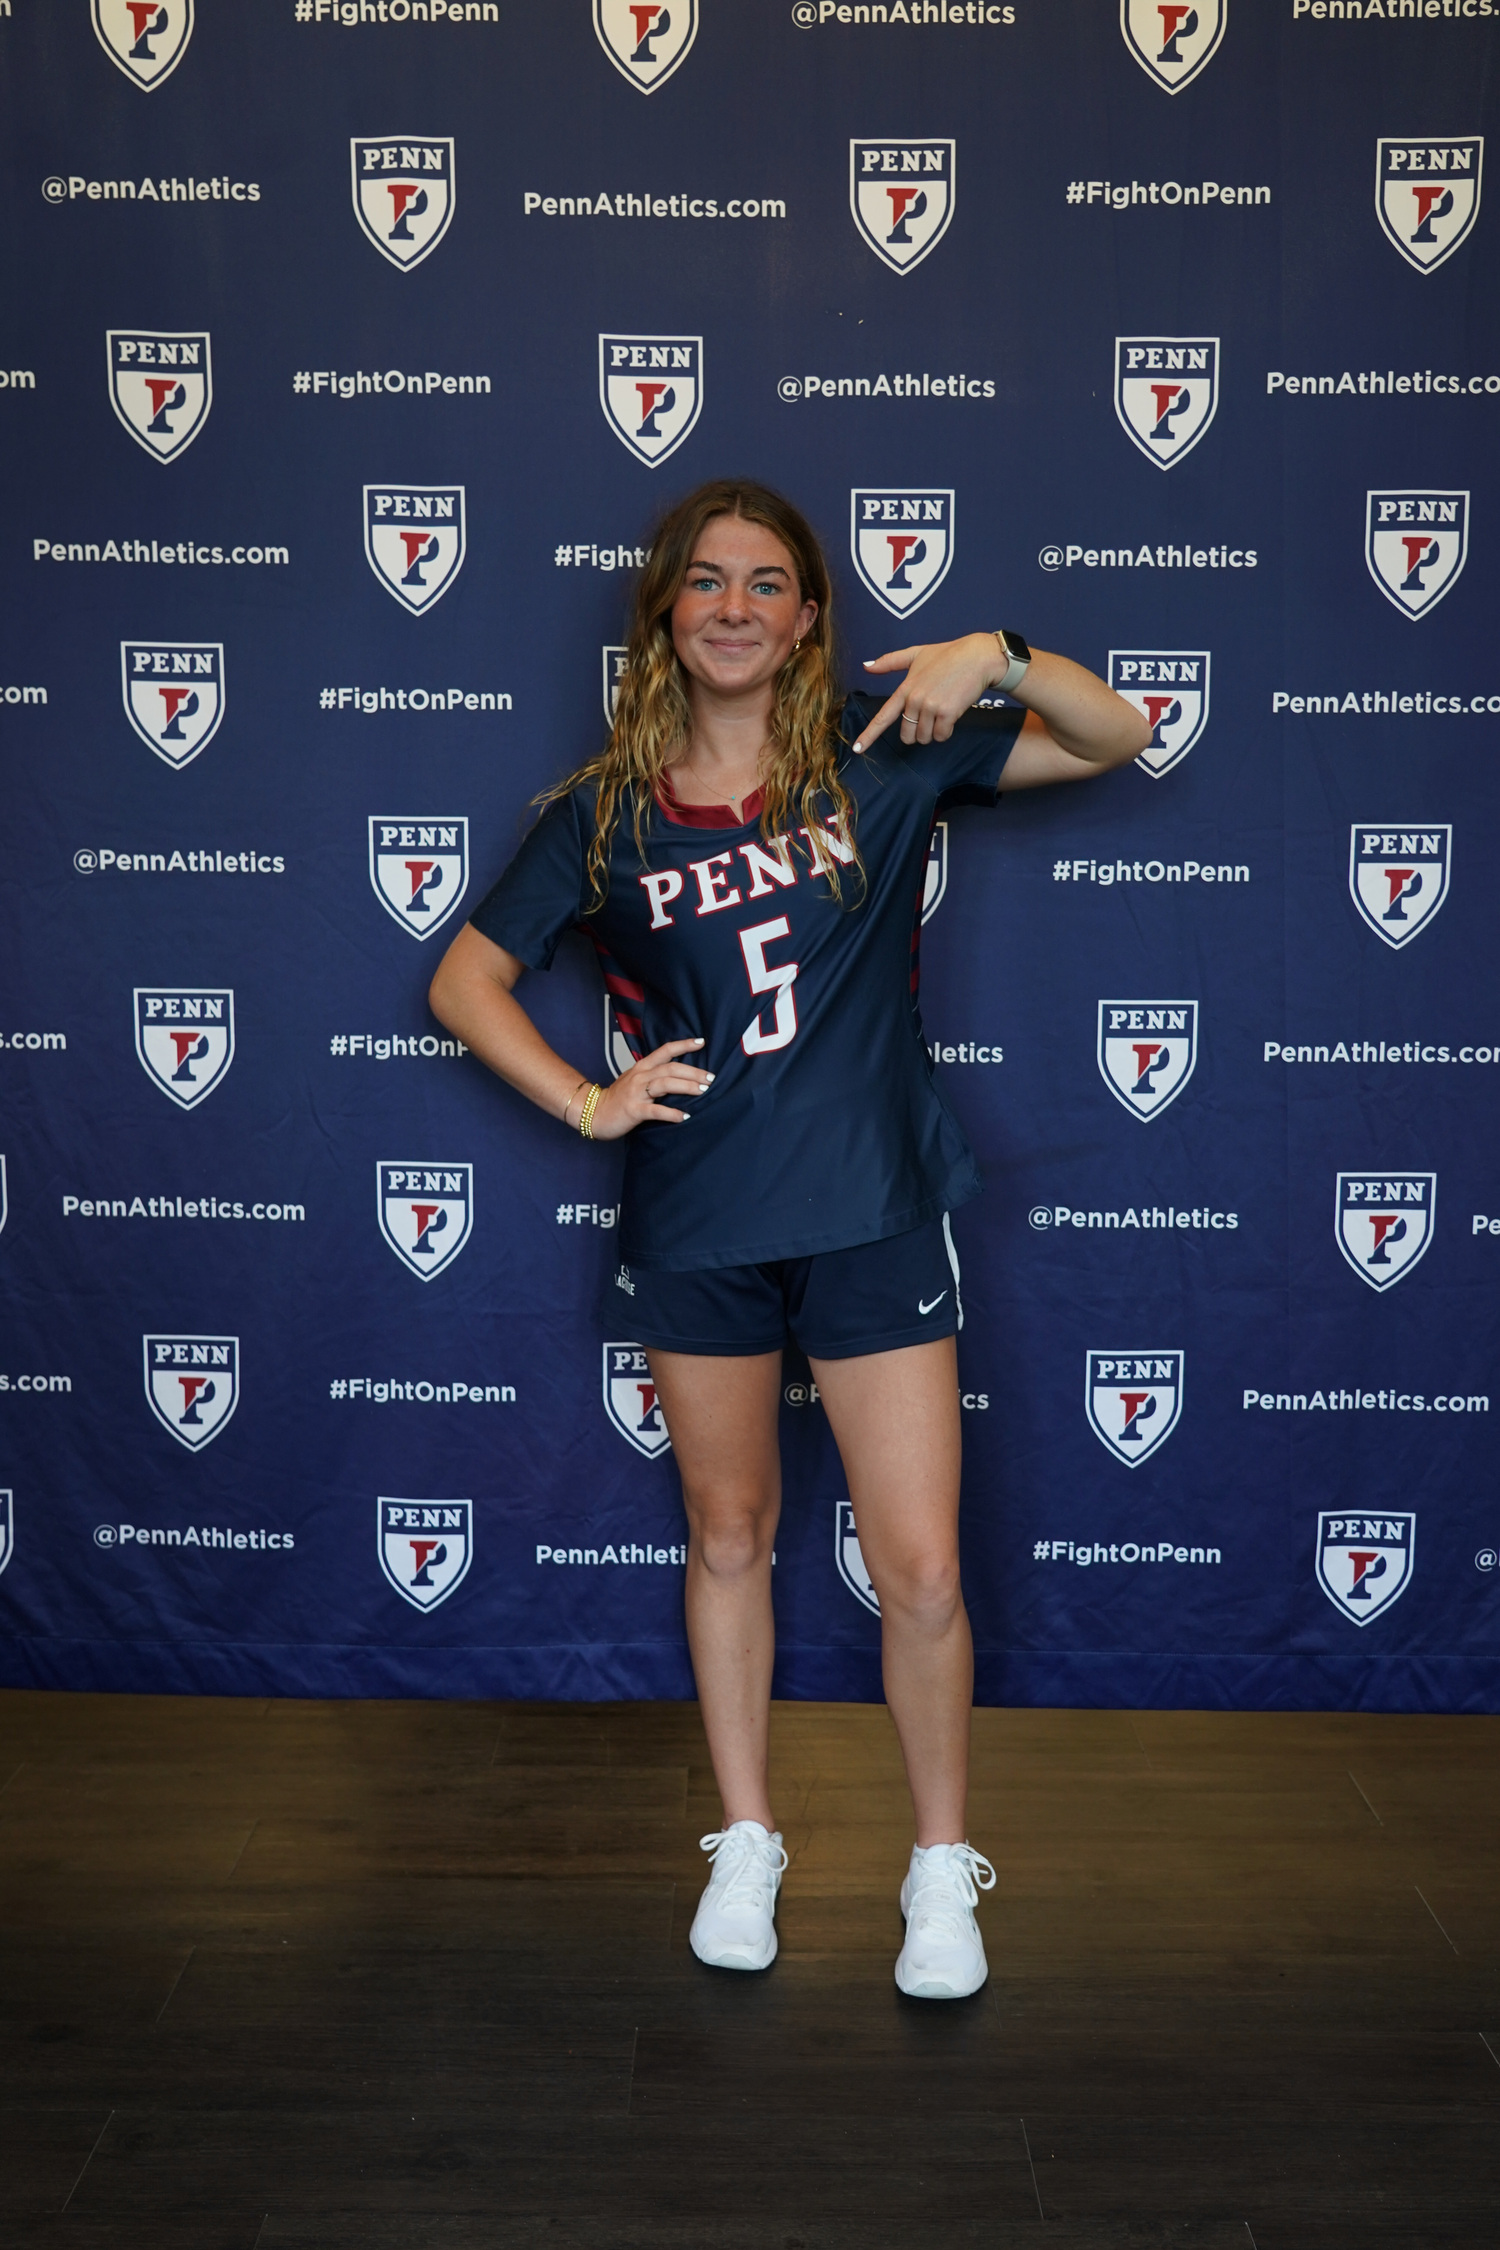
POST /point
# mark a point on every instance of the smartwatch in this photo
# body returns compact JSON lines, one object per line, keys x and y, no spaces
{"x":1017,"y":656}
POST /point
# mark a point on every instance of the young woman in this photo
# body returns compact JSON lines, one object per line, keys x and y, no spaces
{"x":748,"y":856}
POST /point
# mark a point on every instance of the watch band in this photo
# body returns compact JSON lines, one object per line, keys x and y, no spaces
{"x":1018,"y":657}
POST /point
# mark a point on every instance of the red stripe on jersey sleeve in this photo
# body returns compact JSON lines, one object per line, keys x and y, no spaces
{"x":626,"y":998}
{"x":916,"y":936}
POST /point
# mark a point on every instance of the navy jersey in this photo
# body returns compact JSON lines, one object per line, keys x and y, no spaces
{"x":824,"y":1126}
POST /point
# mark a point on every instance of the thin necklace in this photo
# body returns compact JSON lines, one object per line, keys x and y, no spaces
{"x":731,"y":797}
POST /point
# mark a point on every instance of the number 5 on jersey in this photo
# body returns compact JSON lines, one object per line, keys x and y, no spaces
{"x":766,"y":976}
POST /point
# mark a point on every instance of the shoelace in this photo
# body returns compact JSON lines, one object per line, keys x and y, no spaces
{"x":747,"y":1868}
{"x":933,"y":1887}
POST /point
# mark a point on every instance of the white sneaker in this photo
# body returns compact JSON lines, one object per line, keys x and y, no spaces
{"x":943,"y":1957}
{"x":734,"y":1927}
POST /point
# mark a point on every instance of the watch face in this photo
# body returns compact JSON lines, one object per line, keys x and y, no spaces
{"x":1018,"y":649}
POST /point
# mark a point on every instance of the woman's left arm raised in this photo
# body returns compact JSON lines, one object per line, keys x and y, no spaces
{"x":1074,"y":727}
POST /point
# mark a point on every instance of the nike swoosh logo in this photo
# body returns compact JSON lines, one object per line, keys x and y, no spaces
{"x":937,"y":1300}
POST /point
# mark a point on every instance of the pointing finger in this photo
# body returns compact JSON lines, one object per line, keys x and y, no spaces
{"x":889,"y":710}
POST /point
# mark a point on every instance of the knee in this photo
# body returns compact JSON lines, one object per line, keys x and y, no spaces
{"x":923,"y":1589}
{"x":731,"y":1542}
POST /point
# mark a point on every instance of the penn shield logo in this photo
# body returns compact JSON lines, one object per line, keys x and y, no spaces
{"x":646,"y":39}
{"x":614,"y":672}
{"x":419,"y":867}
{"x":902,"y":544}
{"x":425,"y":1547}
{"x":7,"y":1526}
{"x":174,"y":695}
{"x":850,"y":1558}
{"x":192,"y":1385}
{"x":935,"y":880}
{"x":1173,"y":40}
{"x":1383,"y":1222}
{"x":146,"y":39}
{"x":1398,"y":875}
{"x":1169,"y":687}
{"x":1427,"y":196}
{"x":160,"y":386}
{"x":618,"y":1052}
{"x":1416,"y":543}
{"x":415,"y":540}
{"x":1133,"y":1401}
{"x":1147,"y":1050}
{"x":631,"y":1402}
{"x":901,"y":194}
{"x":1365,"y":1561}
{"x":1166,"y":393}
{"x":651,"y":390}
{"x":403,"y":194}
{"x":184,"y":1037}
{"x":425,"y":1211}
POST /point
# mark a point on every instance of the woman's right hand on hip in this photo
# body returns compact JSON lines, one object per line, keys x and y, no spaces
{"x":639,"y":1094}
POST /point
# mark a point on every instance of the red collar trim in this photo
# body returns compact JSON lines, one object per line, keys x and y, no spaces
{"x":705,"y":816}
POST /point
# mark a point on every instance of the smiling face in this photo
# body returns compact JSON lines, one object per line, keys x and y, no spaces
{"x":740,"y":611}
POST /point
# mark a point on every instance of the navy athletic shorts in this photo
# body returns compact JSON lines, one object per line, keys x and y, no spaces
{"x":841,"y":1304}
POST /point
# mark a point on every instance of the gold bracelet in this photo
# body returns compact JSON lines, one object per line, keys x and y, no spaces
{"x":568,"y":1104}
{"x":591,"y":1102}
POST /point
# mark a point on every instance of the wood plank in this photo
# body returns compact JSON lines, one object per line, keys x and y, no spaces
{"x":309,"y":1976}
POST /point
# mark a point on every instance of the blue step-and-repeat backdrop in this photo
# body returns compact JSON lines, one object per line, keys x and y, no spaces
{"x":352,"y":346}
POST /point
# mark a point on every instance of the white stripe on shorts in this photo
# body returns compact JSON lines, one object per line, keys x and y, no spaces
{"x":958,"y":1295}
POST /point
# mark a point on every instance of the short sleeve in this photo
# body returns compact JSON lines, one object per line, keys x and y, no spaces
{"x":964,"y":770}
{"x":540,"y":895}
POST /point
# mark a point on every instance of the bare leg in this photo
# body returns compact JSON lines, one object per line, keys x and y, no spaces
{"x":896,"y":1418}
{"x":722,"y":1416}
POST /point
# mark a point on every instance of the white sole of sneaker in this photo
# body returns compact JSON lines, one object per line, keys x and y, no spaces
{"x":732,"y":1960}
{"x":940,"y":1991}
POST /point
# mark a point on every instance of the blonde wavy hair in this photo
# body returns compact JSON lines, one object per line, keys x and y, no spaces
{"x":653,"y":718}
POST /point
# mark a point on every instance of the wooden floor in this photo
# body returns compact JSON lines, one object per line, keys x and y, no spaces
{"x":293,"y":1976}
